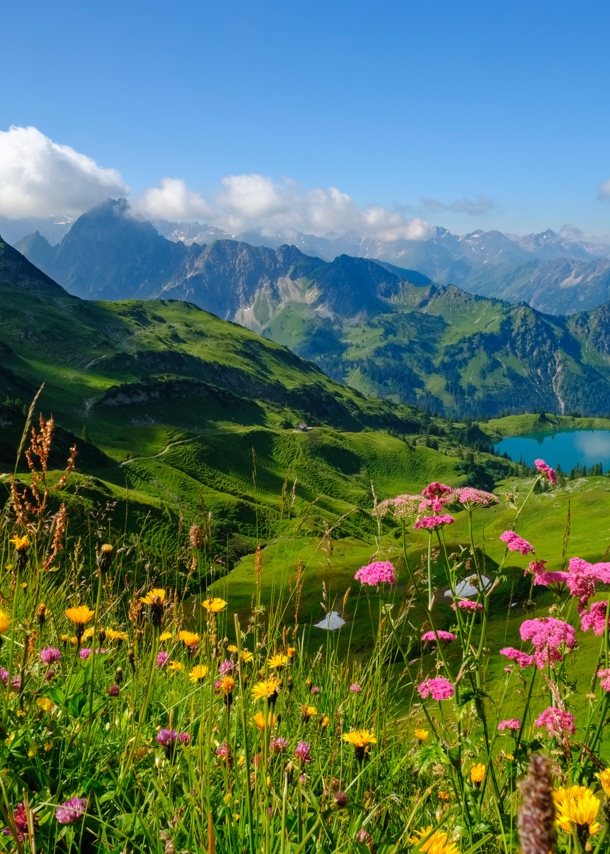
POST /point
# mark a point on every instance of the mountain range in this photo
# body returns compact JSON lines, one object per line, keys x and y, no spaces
{"x":379,"y":328}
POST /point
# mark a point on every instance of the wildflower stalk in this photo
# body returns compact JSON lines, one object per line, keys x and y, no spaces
{"x":94,"y":654}
{"x":244,"y":725}
{"x":149,"y":680}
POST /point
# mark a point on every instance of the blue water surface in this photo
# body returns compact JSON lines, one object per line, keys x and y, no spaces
{"x":566,"y":447}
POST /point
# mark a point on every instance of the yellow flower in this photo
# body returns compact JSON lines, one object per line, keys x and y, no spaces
{"x":291,"y":651}
{"x":308,"y":712}
{"x":4,"y":621}
{"x":437,"y":841}
{"x":214,"y":605}
{"x":577,"y":808}
{"x":88,"y":633}
{"x":278,"y":661}
{"x":360,"y":738}
{"x":45,"y":703}
{"x":165,"y":636}
{"x":155,"y":597}
{"x":232,"y":648}
{"x":247,"y":655}
{"x":421,"y":734}
{"x":325,"y":721}
{"x":477,"y":773}
{"x":227,"y":684}
{"x":80,"y":615}
{"x":509,"y":757}
{"x":444,"y":796}
{"x":267,"y":689}
{"x":33,"y":750}
{"x":189,"y":639}
{"x":112,"y":634}
{"x":259,"y":720}
{"x":604,"y":779}
{"x":20,"y":543}
{"x":175,"y":667}
{"x":198,"y":673}
{"x":48,"y":746}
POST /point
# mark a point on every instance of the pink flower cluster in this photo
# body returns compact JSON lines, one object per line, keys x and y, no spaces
{"x":20,"y":819}
{"x":522,"y":658}
{"x":471,"y":498}
{"x":515,"y":543}
{"x":545,"y":470}
{"x":512,"y":724}
{"x":548,"y":635}
{"x":542,"y":578}
{"x":71,"y":811}
{"x":378,"y":572}
{"x":556,"y":722}
{"x":438,"y":688}
{"x":604,"y":678}
{"x":468,"y":605}
{"x":430,"y":523}
{"x":436,"y":495}
{"x":442,"y":635}
{"x":401,"y":507}
{"x":595,"y":618}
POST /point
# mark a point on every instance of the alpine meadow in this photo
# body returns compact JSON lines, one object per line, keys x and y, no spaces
{"x":304,"y":429}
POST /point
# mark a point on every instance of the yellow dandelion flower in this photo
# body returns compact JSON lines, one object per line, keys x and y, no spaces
{"x":437,"y":841}
{"x":266,"y":690}
{"x":198,"y":673}
{"x":32,"y":751}
{"x":164,"y":636}
{"x":247,"y":656}
{"x":80,"y":615}
{"x":45,"y":703}
{"x":48,"y":746}
{"x":20,"y":543}
{"x":214,"y":605}
{"x":175,"y":667}
{"x":155,"y":597}
{"x":325,"y":721}
{"x":291,"y":652}
{"x":444,"y":796}
{"x":421,"y":734}
{"x":4,"y":621}
{"x":232,"y":648}
{"x":112,"y":634}
{"x":477,"y":773}
{"x":509,"y":757}
{"x":577,"y":809}
{"x":604,"y":779}
{"x":278,"y":661}
{"x":189,"y":639}
{"x":259,"y":720}
{"x":227,"y":684}
{"x":360,"y":737}
{"x":88,"y":633}
{"x":308,"y":712}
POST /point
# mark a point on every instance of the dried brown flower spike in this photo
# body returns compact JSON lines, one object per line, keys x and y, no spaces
{"x":536,"y":823}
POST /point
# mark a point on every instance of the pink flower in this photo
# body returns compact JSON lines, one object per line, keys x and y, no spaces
{"x":430,"y":523}
{"x":378,"y":572}
{"x":542,"y":578}
{"x":471,"y":498}
{"x":278,"y":745}
{"x":49,"y":654}
{"x":355,"y":688}
{"x":21,"y":823}
{"x":363,"y":836}
{"x":522,"y":658}
{"x":71,"y":811}
{"x":443,"y":636}
{"x":548,"y":635}
{"x":224,"y":752}
{"x":595,"y":618}
{"x":15,"y":681}
{"x":85,"y":652}
{"x":513,"y":723}
{"x":438,"y":688}
{"x":604,"y":678}
{"x":226,"y":666}
{"x":303,"y":752}
{"x":581,"y":579}
{"x":467,"y":605}
{"x":556,"y":721}
{"x":401,"y":507}
{"x":162,"y":658}
{"x":437,"y":490}
{"x":515,"y":543}
{"x":545,"y":470}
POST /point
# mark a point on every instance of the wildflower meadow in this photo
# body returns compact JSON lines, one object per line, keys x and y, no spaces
{"x":138,"y":717}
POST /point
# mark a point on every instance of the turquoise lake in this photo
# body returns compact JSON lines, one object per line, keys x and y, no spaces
{"x":566,"y":447}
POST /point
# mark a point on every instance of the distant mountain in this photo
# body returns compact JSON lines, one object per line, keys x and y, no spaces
{"x":364,"y":322}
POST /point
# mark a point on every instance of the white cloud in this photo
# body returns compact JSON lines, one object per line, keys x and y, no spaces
{"x":473,"y":207}
{"x":171,"y":200}
{"x":256,"y":201}
{"x":39,"y":177}
{"x":603,"y":189}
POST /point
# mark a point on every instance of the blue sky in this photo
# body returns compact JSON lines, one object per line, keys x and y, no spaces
{"x":497,"y":108}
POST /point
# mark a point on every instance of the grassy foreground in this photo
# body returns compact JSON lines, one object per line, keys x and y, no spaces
{"x":135,"y":718}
